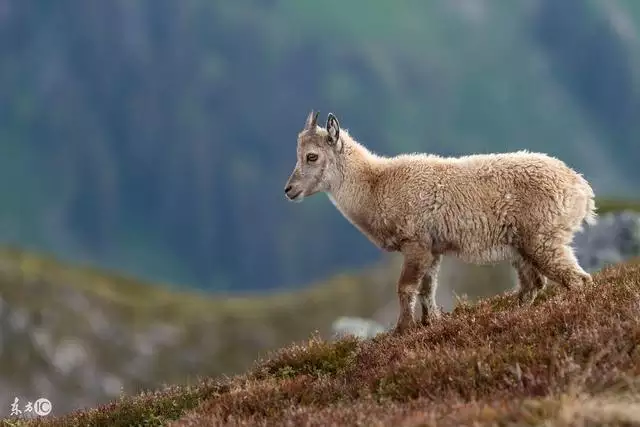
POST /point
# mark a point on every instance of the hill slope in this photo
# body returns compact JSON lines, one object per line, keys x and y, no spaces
{"x":571,"y":358}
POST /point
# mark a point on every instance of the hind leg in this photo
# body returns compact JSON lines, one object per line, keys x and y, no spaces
{"x":530,"y":280}
{"x":427,"y":292}
{"x":555,"y":259}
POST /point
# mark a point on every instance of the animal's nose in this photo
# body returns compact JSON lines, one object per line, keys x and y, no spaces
{"x":287,"y":189}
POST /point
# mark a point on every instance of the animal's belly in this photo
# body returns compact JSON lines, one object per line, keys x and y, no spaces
{"x":387,"y":243}
{"x":490,"y":255}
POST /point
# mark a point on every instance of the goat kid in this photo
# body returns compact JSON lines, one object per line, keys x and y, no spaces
{"x":519,"y":207}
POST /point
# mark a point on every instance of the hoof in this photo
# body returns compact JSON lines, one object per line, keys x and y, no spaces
{"x":430,"y":319}
{"x":587,"y":280}
{"x":402,"y":328}
{"x":526,"y":299}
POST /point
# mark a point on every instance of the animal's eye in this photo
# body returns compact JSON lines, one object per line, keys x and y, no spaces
{"x":311,"y":157}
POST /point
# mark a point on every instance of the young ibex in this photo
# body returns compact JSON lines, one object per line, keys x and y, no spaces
{"x":519,"y":207}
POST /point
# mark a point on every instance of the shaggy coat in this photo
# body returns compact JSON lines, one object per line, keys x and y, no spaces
{"x":520,"y":207}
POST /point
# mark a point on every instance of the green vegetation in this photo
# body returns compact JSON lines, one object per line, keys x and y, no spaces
{"x":123,"y":290}
{"x":157,"y":141}
{"x":570,"y":360}
{"x":605,"y":205}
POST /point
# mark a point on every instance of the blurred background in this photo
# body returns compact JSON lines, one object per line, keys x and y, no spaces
{"x":144,"y":147}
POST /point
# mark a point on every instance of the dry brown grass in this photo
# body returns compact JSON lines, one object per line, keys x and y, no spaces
{"x":572,"y":359}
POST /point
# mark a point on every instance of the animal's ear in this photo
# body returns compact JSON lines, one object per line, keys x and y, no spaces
{"x":333,"y":127}
{"x":312,"y":120}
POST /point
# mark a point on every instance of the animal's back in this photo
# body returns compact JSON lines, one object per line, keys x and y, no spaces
{"x":481,"y":205}
{"x":533,"y":188}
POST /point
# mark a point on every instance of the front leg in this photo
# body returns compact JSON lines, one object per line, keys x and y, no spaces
{"x":417,"y":261}
{"x":427,"y":293}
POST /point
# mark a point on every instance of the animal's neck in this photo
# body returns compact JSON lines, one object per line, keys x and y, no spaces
{"x":359,"y":168}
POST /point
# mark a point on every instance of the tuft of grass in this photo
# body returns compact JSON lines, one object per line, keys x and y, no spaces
{"x":316,"y":358}
{"x":570,"y":359}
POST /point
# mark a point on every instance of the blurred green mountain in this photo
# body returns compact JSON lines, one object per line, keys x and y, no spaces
{"x":155,"y":136}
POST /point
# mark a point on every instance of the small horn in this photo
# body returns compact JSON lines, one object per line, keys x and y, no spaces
{"x":312,"y":120}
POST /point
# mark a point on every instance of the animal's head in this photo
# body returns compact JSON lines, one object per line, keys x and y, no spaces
{"x":317,"y":158}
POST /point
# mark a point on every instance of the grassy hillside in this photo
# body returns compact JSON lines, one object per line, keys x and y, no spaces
{"x":571,"y":359}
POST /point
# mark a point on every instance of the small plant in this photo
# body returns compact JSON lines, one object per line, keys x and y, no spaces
{"x":315,"y":357}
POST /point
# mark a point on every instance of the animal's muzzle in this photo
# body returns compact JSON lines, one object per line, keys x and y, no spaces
{"x":291,"y":193}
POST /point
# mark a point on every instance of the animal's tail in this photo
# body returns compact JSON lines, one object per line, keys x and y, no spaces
{"x":591,"y":214}
{"x":580,"y":204}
